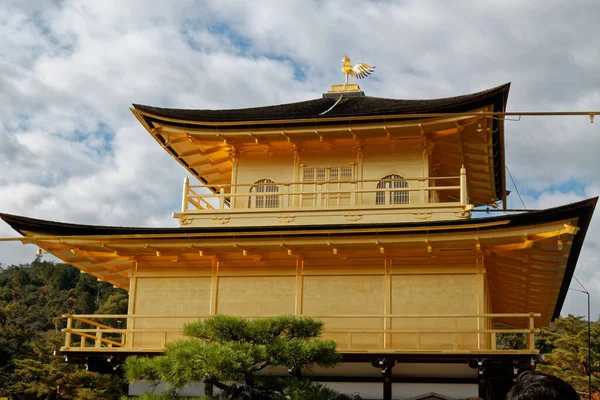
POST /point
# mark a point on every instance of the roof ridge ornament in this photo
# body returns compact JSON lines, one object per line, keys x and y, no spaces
{"x":359,"y":71}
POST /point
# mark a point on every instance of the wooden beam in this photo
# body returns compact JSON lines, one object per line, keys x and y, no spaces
{"x":209,"y":161}
{"x":200,"y":151}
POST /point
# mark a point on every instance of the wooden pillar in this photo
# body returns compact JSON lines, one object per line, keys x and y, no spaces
{"x":131,"y":305}
{"x":360,"y":170}
{"x":387,"y":384}
{"x":482,"y":385}
{"x":234,"y":156}
{"x":214,"y":287}
{"x":296,"y":200}
{"x":299,"y":286}
{"x":387,"y":301}
{"x":482,"y":324}
{"x":387,"y":378}
{"x":425,"y":171}
{"x":386,"y":365}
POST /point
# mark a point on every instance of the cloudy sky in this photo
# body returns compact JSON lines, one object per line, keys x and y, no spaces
{"x":70,"y":149}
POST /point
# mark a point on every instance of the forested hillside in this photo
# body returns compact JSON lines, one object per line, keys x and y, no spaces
{"x":32,"y":299}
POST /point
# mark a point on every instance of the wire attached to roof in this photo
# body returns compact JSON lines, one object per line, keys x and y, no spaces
{"x":333,"y":106}
{"x":516,"y":189}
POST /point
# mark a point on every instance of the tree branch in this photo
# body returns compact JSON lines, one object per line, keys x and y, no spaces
{"x":260,"y":365}
{"x":218,"y":384}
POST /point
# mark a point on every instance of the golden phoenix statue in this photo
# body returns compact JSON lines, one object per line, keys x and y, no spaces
{"x":358,"y":71}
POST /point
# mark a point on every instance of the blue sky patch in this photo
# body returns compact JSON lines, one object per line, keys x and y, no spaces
{"x":299,"y":69}
{"x":241,"y":42}
{"x":569,"y":186}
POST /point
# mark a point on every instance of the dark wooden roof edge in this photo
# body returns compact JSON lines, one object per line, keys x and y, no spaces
{"x":584,"y":219}
{"x":582,"y":210}
{"x":348,"y":107}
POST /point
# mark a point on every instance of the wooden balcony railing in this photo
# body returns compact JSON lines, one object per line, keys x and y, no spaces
{"x":477,"y":335}
{"x":397,"y":193}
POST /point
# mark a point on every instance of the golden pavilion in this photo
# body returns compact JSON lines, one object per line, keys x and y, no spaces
{"x":352,"y":209}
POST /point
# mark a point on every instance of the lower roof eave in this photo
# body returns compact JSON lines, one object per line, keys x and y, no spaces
{"x":35,"y":229}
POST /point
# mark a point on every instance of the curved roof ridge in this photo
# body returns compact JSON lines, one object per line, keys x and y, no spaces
{"x":349,"y":107}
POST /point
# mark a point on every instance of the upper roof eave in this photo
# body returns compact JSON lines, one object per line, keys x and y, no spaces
{"x":351,"y":107}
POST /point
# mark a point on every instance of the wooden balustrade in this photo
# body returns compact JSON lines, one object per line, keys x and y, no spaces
{"x":483,"y":338}
{"x":321,"y":193}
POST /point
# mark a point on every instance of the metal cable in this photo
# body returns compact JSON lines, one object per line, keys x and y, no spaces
{"x":516,"y":189}
{"x":333,"y":106}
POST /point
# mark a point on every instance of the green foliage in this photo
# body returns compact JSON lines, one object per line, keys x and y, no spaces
{"x":565,"y":343}
{"x":48,"y":377}
{"x":300,"y":389}
{"x":170,"y":395}
{"x":511,"y":341}
{"x":32,"y":299}
{"x":232,"y":349}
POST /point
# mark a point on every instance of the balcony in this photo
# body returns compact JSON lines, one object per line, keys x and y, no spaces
{"x":326,"y":201}
{"x":380,"y":334}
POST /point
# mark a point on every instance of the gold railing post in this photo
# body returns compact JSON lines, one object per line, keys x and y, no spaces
{"x":531,"y":335}
{"x":319,"y":196}
{"x":186,"y":189}
{"x":68,"y":332}
{"x":98,"y":343}
{"x":353,"y":194}
{"x":464,"y":198}
{"x":286,"y":196}
{"x":221,"y":198}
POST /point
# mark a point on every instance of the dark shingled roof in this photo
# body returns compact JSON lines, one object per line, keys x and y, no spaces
{"x":348,"y":107}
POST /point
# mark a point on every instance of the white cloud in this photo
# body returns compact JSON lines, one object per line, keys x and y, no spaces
{"x":70,"y":149}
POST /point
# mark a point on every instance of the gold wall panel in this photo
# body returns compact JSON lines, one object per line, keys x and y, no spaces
{"x":434,"y":294}
{"x":350,"y":295}
{"x":172,"y":297}
{"x":256,"y":296}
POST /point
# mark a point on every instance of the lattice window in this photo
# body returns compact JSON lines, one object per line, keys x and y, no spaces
{"x":308,"y":174}
{"x":330,"y":186}
{"x":264,"y":201}
{"x":332,"y":174}
{"x":394,"y":196}
{"x":346,"y":173}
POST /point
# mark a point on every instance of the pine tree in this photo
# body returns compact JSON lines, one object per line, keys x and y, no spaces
{"x":226,"y":349}
{"x":565,"y":343}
